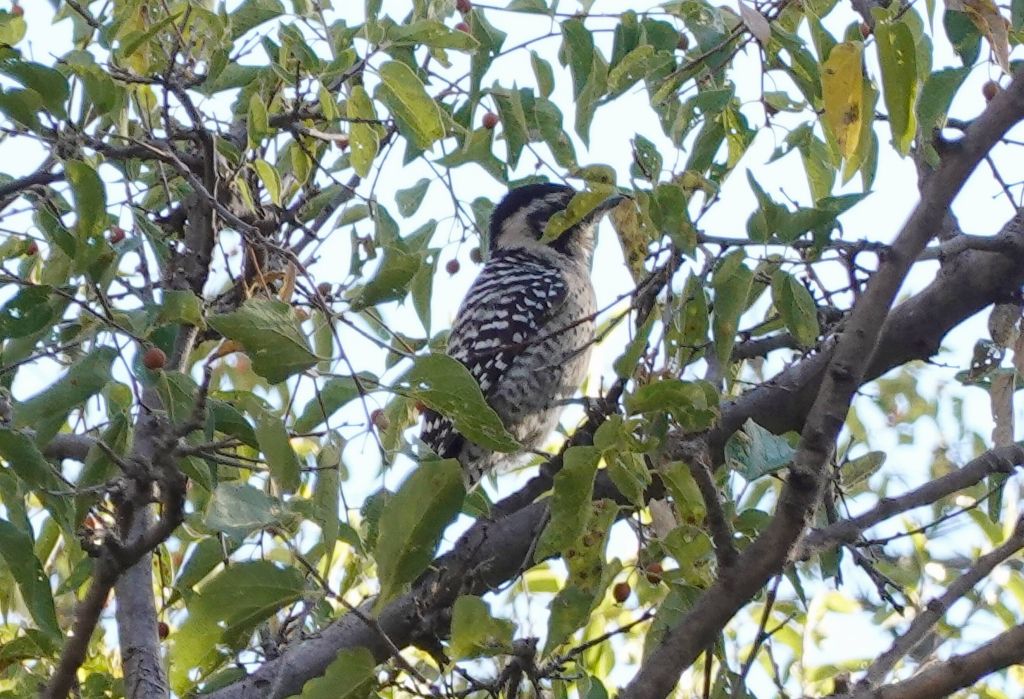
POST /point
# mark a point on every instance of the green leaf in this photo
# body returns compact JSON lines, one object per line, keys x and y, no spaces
{"x":445,"y":385}
{"x":230,"y":421}
{"x":272,"y":338}
{"x":276,"y":446}
{"x":135,"y":40}
{"x":391,"y":281}
{"x":630,"y":475}
{"x":937,"y":95}
{"x":412,"y":523}
{"x":46,"y":412}
{"x":50,"y":84}
{"x":407,"y":98}
{"x":258,"y":123}
{"x":239,"y":509}
{"x":252,"y":13}
{"x":270,"y":179}
{"x":963,"y":35}
{"x":24,"y":458}
{"x":433,"y":33}
{"x":349,"y":676}
{"x":409,"y":199}
{"x":755,"y":452}
{"x":693,"y":404}
{"x":21,"y":106}
{"x":12,"y":28}
{"x":898,"y":60}
{"x":686,"y":497}
{"x":630,"y":69}
{"x":330,"y":471}
{"x":336,"y":392}
{"x":628,"y":361}
{"x":90,"y":198}
{"x":229,"y":606}
{"x":477,"y":634}
{"x":647,"y":160}
{"x":28,"y":312}
{"x":570,"y":502}
{"x":796,"y":306}
{"x":588,"y":573}
{"x":16,"y":548}
{"x":731,"y":282}
{"x":578,"y":53}
{"x":362,"y":135}
{"x":569,"y":611}
{"x":513,"y":122}
{"x":860,"y":469}
{"x":934,"y":102}
{"x":543,"y":74}
{"x":180,"y":306}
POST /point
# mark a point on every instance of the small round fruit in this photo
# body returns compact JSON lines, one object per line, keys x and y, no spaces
{"x":380,"y":420}
{"x":476,"y":256}
{"x":163,"y":630}
{"x":653,"y":571}
{"x":683,"y":43}
{"x":452,"y":267}
{"x":865,"y":30}
{"x":463,"y":6}
{"x":990,"y":90}
{"x":462,"y":27}
{"x":341,"y":142}
{"x":620,"y":593}
{"x":32,"y":248}
{"x":116,"y":235}
{"x":490,"y":120}
{"x":17,"y":10}
{"x":154,"y":359}
{"x":324,"y":289}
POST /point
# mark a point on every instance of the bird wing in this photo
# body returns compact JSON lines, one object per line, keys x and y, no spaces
{"x":506,"y":310}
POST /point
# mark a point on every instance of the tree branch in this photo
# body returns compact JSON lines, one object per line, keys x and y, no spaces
{"x":941,"y":679}
{"x":846,"y":371}
{"x":936,"y":608}
{"x":996,"y":460}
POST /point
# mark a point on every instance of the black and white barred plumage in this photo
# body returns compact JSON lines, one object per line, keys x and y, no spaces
{"x":526,"y":326}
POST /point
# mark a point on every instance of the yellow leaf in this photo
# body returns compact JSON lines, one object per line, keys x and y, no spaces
{"x":842,"y":86}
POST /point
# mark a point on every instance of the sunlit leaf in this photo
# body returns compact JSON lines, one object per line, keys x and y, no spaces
{"x":842,"y":93}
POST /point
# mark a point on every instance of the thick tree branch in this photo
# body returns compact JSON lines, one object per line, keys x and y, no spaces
{"x":846,"y":371}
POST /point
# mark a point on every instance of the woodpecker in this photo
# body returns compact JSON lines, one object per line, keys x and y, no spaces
{"x":526,"y":326}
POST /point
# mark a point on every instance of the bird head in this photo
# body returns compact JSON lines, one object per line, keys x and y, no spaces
{"x":519,"y":221}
